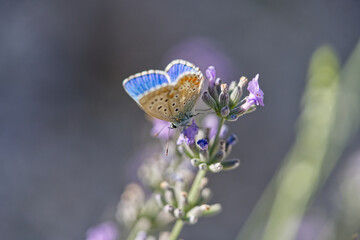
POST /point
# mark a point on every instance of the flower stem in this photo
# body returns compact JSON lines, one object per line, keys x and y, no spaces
{"x":194,"y":191}
{"x":133,"y":232}
{"x":216,"y":140}
{"x":176,"y":229}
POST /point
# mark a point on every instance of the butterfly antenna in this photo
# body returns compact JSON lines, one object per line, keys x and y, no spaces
{"x":167,"y":143}
{"x":158,"y":133}
{"x":196,"y":114}
{"x":203,"y":110}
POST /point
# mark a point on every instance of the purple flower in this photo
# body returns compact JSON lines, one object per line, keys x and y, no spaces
{"x":232,"y":139}
{"x":223,"y":131}
{"x":256,"y":95}
{"x":160,"y":129}
{"x":188,"y":134}
{"x":211,"y":121}
{"x":211,"y":75}
{"x":103,"y":231}
{"x":203,"y":144}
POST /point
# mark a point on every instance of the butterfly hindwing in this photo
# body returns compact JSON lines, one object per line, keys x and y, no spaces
{"x":156,"y":103}
{"x":141,"y":83}
{"x":168,"y":95}
{"x":179,"y":67}
{"x":184,"y":93}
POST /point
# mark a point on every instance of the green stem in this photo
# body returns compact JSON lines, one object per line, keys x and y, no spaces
{"x":194,"y":191}
{"x":176,"y":229}
{"x":133,"y":232}
{"x":216,"y":140}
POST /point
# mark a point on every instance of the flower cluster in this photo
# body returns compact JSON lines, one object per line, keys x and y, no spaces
{"x":176,"y":194}
{"x":206,"y":149}
{"x":226,"y":100}
{"x":174,"y":200}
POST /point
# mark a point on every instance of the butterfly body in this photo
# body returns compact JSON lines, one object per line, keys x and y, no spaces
{"x":168,"y":95}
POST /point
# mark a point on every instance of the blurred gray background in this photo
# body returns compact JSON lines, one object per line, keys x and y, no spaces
{"x":69,"y":133}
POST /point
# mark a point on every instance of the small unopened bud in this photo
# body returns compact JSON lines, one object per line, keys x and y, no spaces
{"x":219,"y":155}
{"x":183,"y":200}
{"x":203,"y":182}
{"x":237,"y":111}
{"x":216,"y":167}
{"x":213,"y":209}
{"x":169,"y":196}
{"x":141,"y":235}
{"x":195,"y":211}
{"x":232,"y":86}
{"x":193,"y":220}
{"x":169,"y":208}
{"x":218,"y":85}
{"x":224,"y":87}
{"x":202,"y":166}
{"x":178,"y":213}
{"x":159,"y":200}
{"x":232,"y":117}
{"x":211,"y":75}
{"x":235,"y":96}
{"x":164,"y":185}
{"x":230,"y":164}
{"x":242,"y":82}
{"x":209,"y":100}
{"x":164,"y":236}
{"x":232,"y":139}
{"x":195,"y":162}
{"x":203,"y":144}
{"x":224,"y":98}
{"x":225,"y":111}
{"x":206,"y":194}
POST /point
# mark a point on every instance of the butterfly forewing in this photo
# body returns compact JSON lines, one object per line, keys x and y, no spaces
{"x":168,"y":95}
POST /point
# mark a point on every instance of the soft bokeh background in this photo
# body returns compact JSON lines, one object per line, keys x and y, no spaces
{"x":69,"y":134}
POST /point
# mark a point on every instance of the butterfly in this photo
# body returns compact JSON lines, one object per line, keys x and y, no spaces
{"x":168,"y":95}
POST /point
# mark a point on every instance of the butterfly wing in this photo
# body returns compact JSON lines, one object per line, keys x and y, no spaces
{"x":156,"y":103}
{"x":168,"y":95}
{"x":184,"y":93}
{"x":140,"y":84}
{"x":179,"y":67}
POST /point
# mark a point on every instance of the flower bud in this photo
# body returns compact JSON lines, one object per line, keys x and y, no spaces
{"x":183,"y":200}
{"x":225,"y":111}
{"x":232,"y":139}
{"x":203,"y":182}
{"x":195,"y":162}
{"x":224,"y":96}
{"x":232,"y":86}
{"x":202,"y":166}
{"x":216,"y":167}
{"x":237,"y":110}
{"x":178,"y":213}
{"x":209,"y":100}
{"x":211,"y":75}
{"x":223,"y":131}
{"x":203,"y":144}
{"x":169,"y":196}
{"x":232,"y":118}
{"x":212,"y":210}
{"x":242,"y":82}
{"x":230,"y":164}
{"x":235,"y":96}
{"x":193,"y":220}
{"x":169,"y":208}
{"x":206,"y":194}
{"x":159,"y":200}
